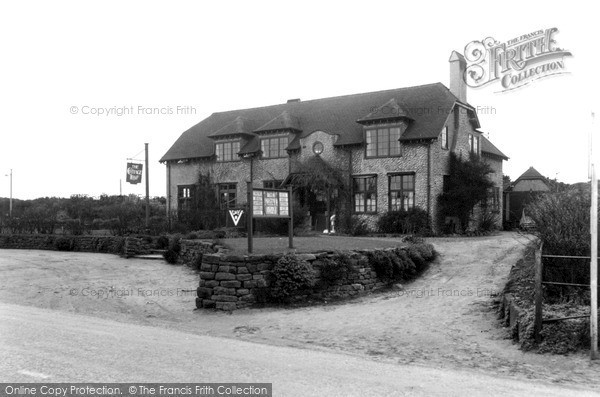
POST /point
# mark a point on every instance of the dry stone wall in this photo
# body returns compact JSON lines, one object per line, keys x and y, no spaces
{"x":229,"y":282}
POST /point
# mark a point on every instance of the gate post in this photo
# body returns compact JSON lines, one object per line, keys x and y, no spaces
{"x":538,"y":293}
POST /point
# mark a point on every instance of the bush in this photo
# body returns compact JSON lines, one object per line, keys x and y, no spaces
{"x":290,"y":275}
{"x":162,"y":242}
{"x":336,"y":269}
{"x":171,"y":255}
{"x":358,"y":226}
{"x":191,"y":236}
{"x":562,"y":221}
{"x":488,"y":220}
{"x":63,"y":244}
{"x":383,"y":266}
{"x":413,"y":221}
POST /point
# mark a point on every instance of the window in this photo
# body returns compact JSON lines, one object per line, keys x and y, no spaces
{"x":402,"y":192}
{"x":364,"y":189}
{"x":474,"y":144}
{"x":274,"y":184}
{"x":227,"y":151}
{"x":273,"y":148}
{"x":495,"y":199}
{"x":184,"y":197}
{"x":445,"y":138}
{"x":227,"y":195}
{"x":383,"y":142}
{"x":446,"y":183}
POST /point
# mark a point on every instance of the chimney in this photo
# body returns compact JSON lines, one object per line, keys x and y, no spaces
{"x":458,"y":66}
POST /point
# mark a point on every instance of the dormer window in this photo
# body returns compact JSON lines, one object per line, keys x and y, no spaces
{"x":227,"y":151}
{"x":274,"y":147}
{"x":382,"y":141}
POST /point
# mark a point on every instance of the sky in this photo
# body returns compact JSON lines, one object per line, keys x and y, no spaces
{"x":165,"y":66}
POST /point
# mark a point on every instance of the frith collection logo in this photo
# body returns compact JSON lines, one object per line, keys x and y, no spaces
{"x":516,"y":62}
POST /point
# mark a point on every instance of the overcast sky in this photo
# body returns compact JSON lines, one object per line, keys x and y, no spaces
{"x":63,"y":58}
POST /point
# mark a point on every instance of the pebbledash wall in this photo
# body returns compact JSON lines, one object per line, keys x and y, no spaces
{"x":428,"y":161}
{"x":229,"y":282}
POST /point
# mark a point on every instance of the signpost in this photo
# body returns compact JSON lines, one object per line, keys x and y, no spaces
{"x":594,"y":254}
{"x":269,"y":203}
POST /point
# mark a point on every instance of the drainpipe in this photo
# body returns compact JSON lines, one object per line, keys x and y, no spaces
{"x":169,"y":195}
{"x":429,"y":179}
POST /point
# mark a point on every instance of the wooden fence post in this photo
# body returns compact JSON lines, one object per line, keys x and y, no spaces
{"x":538,"y":294}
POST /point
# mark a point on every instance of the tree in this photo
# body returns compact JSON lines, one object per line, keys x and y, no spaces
{"x":468,"y":185}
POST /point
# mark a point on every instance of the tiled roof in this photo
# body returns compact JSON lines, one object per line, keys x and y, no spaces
{"x":531,"y":173}
{"x":488,"y":147}
{"x":239,"y":126}
{"x":284,"y":121}
{"x":388,"y":111}
{"x":427,"y":105}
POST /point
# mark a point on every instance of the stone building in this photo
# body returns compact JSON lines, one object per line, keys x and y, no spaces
{"x":392,"y":147}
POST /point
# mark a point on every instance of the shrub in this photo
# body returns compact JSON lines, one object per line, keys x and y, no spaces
{"x":162,"y":242}
{"x":171,"y":256}
{"x":336,"y":268}
{"x":358,"y":226}
{"x":488,"y":220}
{"x":413,"y":221}
{"x":63,"y":244}
{"x":382,"y":264}
{"x":562,"y":221}
{"x":404,"y":266}
{"x":290,"y":275}
{"x":192,"y":236}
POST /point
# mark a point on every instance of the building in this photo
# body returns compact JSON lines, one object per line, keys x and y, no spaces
{"x":393,"y":147}
{"x":520,"y":193}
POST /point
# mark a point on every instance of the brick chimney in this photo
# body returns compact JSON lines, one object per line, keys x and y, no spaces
{"x":458,"y":65}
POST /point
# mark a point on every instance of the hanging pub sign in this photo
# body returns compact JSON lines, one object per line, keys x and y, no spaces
{"x":134,"y":173}
{"x":270,"y":203}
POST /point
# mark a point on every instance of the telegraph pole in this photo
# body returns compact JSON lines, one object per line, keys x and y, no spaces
{"x":10,"y":199}
{"x":594,"y":255}
{"x":147,"y":190}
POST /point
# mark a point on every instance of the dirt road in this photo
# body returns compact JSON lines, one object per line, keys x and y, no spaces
{"x":43,"y":345}
{"x":445,"y":319}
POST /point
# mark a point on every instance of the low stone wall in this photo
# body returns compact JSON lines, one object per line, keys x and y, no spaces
{"x":191,"y":250}
{"x":127,"y":246}
{"x":230,"y":282}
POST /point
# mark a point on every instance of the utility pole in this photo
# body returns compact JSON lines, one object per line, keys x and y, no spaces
{"x":594,"y":254}
{"x":147,"y":190}
{"x":10,"y":200}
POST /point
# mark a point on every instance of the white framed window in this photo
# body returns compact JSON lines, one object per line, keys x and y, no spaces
{"x":273,"y":148}
{"x":383,"y":142}
{"x":227,"y":151}
{"x":474,"y":144}
{"x":444,"y":137}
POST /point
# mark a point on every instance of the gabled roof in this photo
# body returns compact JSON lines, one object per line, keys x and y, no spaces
{"x":388,"y":111}
{"x":239,"y":126}
{"x":427,"y":105}
{"x":489,"y":148}
{"x":285,"y":121}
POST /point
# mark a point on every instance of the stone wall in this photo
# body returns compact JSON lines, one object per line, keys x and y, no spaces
{"x":191,"y":250}
{"x":229,"y":282}
{"x":128,"y":246}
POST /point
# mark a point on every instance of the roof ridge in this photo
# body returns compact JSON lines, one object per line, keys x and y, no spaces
{"x":337,"y":97}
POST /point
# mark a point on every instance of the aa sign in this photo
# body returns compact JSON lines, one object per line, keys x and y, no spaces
{"x":134,"y":173}
{"x":236,"y":215}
